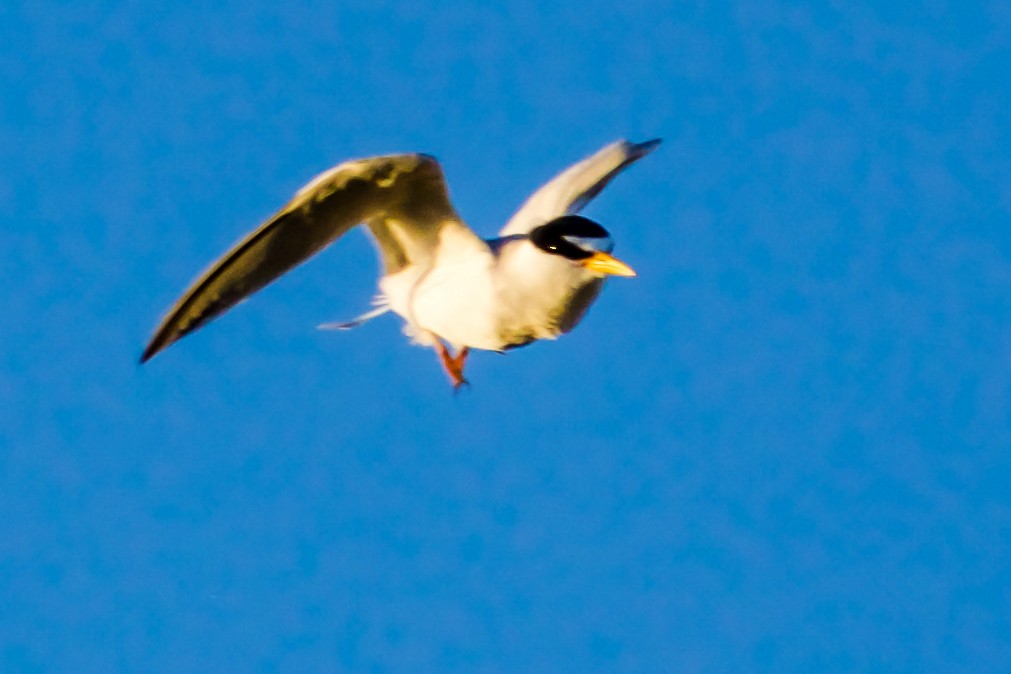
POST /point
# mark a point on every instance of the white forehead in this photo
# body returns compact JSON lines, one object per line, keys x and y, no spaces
{"x":603,"y":244}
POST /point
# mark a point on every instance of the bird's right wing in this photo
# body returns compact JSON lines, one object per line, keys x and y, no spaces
{"x":407,"y":191}
{"x":574,"y":187}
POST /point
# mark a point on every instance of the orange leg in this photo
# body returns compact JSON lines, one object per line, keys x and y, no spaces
{"x":453,"y":366}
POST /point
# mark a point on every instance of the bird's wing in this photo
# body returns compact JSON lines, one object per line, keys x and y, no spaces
{"x":574,"y":187}
{"x":403,"y":198}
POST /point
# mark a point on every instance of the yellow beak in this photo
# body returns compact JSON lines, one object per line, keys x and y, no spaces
{"x":602,"y":263}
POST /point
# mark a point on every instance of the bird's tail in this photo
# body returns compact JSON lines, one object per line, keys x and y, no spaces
{"x":381,"y":307}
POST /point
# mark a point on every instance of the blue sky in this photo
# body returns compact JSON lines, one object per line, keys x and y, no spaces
{"x":784,"y":447}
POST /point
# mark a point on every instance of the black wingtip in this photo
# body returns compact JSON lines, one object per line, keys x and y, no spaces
{"x":152,"y":349}
{"x":646,"y":147}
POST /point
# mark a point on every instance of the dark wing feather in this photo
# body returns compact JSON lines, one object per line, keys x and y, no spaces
{"x":320,"y":213}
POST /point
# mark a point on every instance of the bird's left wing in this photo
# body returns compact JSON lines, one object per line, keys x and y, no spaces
{"x":574,"y":187}
{"x":408,"y":189}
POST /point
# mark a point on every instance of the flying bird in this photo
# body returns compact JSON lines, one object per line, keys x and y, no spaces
{"x":454,"y":290}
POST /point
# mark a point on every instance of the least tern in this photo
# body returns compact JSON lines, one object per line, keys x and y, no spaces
{"x":454,"y":290}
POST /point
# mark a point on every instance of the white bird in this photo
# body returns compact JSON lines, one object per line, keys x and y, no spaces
{"x":534,"y":281}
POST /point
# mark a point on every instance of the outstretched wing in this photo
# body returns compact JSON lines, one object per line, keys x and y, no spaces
{"x":574,"y":187}
{"x":403,"y":198}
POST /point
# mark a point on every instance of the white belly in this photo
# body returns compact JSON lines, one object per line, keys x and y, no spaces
{"x":458,"y":303}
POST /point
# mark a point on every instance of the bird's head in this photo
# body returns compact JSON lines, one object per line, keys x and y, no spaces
{"x":581,"y":241}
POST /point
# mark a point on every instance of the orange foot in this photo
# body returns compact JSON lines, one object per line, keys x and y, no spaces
{"x":453,"y":366}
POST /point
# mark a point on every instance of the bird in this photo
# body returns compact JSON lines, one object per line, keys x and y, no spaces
{"x":455,"y":291}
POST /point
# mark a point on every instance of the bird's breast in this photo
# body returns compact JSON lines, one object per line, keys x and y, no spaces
{"x":500,"y":302}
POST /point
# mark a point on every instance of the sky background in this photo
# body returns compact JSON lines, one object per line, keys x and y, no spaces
{"x":784,"y":447}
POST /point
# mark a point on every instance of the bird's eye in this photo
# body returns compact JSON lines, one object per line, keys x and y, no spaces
{"x":572,"y":236}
